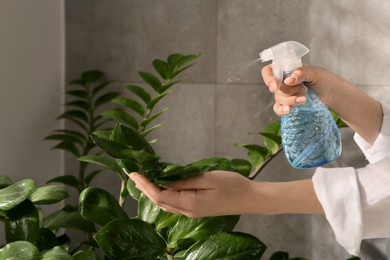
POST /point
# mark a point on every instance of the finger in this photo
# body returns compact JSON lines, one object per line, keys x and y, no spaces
{"x":285,"y":90}
{"x":302,"y":74}
{"x":281,"y":110}
{"x":290,"y":100}
{"x":270,"y":81}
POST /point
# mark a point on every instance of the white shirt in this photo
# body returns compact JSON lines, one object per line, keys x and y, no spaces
{"x":357,"y":201}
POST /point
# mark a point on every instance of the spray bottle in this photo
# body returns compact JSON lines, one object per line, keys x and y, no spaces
{"x":310,"y":136}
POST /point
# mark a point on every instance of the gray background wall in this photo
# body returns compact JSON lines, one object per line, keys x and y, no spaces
{"x":208,"y":114}
{"x":31,"y":84}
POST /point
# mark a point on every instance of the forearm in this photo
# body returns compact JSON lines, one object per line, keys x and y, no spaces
{"x":294,"y":197}
{"x":361,"y":112}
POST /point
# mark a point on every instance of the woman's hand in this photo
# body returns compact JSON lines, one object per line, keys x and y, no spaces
{"x":291,"y":91}
{"x":210,"y":194}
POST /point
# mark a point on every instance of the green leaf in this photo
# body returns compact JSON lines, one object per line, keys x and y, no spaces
{"x":74,"y":115}
{"x":279,"y":256}
{"x":66,"y":137}
{"x":155,"y":100}
{"x":105,"y":133}
{"x":48,"y":195}
{"x":133,"y":191}
{"x":146,"y":121}
{"x":179,"y":60}
{"x":200,"y":228}
{"x":147,"y":210}
{"x":20,"y":250}
{"x":78,"y":103}
{"x":178,"y":173}
{"x":105,"y":98}
{"x":153,"y":81}
{"x":167,"y":86}
{"x":232,"y":246}
{"x":241,"y":166}
{"x":130,"y":137}
{"x":129,"y":103}
{"x":86,"y":255}
{"x":91,"y":176}
{"x":91,"y":76}
{"x":15,"y":194}
{"x":56,"y":253}
{"x":272,"y":141}
{"x":123,"y":238}
{"x":163,"y":68}
{"x":99,"y":206}
{"x":256,"y":153}
{"x":148,"y":131}
{"x":140,"y":92}
{"x":78,"y":93}
{"x":79,"y":82}
{"x":121,"y":116}
{"x":165,"y":219}
{"x":100,"y":87}
{"x":47,"y":239}
{"x":102,"y":161}
{"x":69,"y":180}
{"x":22,"y":223}
{"x":70,"y":219}
{"x":5,"y":181}
{"x":68,"y":146}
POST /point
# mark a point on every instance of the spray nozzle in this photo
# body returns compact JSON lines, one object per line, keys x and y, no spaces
{"x":285,"y":56}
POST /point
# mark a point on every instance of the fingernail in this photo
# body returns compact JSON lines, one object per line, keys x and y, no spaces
{"x":290,"y":80}
{"x":286,"y":110}
{"x":300,"y":100}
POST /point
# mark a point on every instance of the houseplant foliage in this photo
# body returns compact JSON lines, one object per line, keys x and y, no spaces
{"x":121,"y":149}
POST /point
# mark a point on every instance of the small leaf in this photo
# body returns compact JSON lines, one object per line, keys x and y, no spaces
{"x":146,"y":121}
{"x":66,"y":137}
{"x":91,"y":76}
{"x":179,"y":60}
{"x":121,"y":117}
{"x":140,"y":92}
{"x":232,"y":246}
{"x":22,"y":223}
{"x":79,"y":82}
{"x":119,"y":237}
{"x":74,"y":115}
{"x":20,"y":250}
{"x":154,"y":101}
{"x":129,"y":103}
{"x":105,"y":98}
{"x":15,"y":194}
{"x":78,"y":103}
{"x":99,"y":206}
{"x":130,"y":137}
{"x":165,"y":219}
{"x":272,"y":141}
{"x":162,"y":67}
{"x":99,"y":87}
{"x":133,"y":191}
{"x":48,"y":195}
{"x":148,"y":131}
{"x":68,"y":146}
{"x":56,"y":253}
{"x":151,"y":80}
{"x":102,"y":161}
{"x":167,"y":86}
{"x":256,"y":153}
{"x":69,"y":180}
{"x":78,"y":93}
{"x":279,"y":256}
{"x":5,"y":181}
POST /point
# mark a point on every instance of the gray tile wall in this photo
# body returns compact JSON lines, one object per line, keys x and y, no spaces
{"x":210,"y":112}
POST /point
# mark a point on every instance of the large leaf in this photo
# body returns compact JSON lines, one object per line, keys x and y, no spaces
{"x":232,"y":246}
{"x":130,"y":239}
{"x":133,"y":191}
{"x":56,"y":253}
{"x":66,"y":218}
{"x":200,"y":228}
{"x":165,"y":219}
{"x":16,"y":193}
{"x":99,"y":206}
{"x":20,"y":250}
{"x":22,"y":223}
{"x":48,"y":195}
{"x":147,"y":210}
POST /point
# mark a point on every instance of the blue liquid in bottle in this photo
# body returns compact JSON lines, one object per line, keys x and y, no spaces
{"x":310,"y":136}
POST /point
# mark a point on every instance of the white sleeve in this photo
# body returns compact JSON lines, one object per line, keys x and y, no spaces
{"x":357,"y":201}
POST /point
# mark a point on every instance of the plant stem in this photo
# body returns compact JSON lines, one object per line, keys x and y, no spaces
{"x":262,"y":166}
{"x":170,"y":257}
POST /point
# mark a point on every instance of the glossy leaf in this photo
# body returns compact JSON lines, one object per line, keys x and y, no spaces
{"x":20,"y":250}
{"x":272,"y":141}
{"x":200,"y":228}
{"x":121,"y":116}
{"x":165,"y":219}
{"x":178,"y":173}
{"x":163,"y":68}
{"x":129,"y":103}
{"x":68,"y":219}
{"x":102,"y":161}
{"x":256,"y":153}
{"x":232,"y":246}
{"x":130,"y":137}
{"x":69,"y":180}
{"x":140,"y":92}
{"x":241,"y":166}
{"x":56,"y":253}
{"x":16,"y":193}
{"x":107,"y":97}
{"x":153,"y":81}
{"x":125,"y":238}
{"x":48,"y":195}
{"x":22,"y":223}
{"x":147,"y":210}
{"x":148,"y":131}
{"x":99,"y":206}
{"x":133,"y":191}
{"x":5,"y":181}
